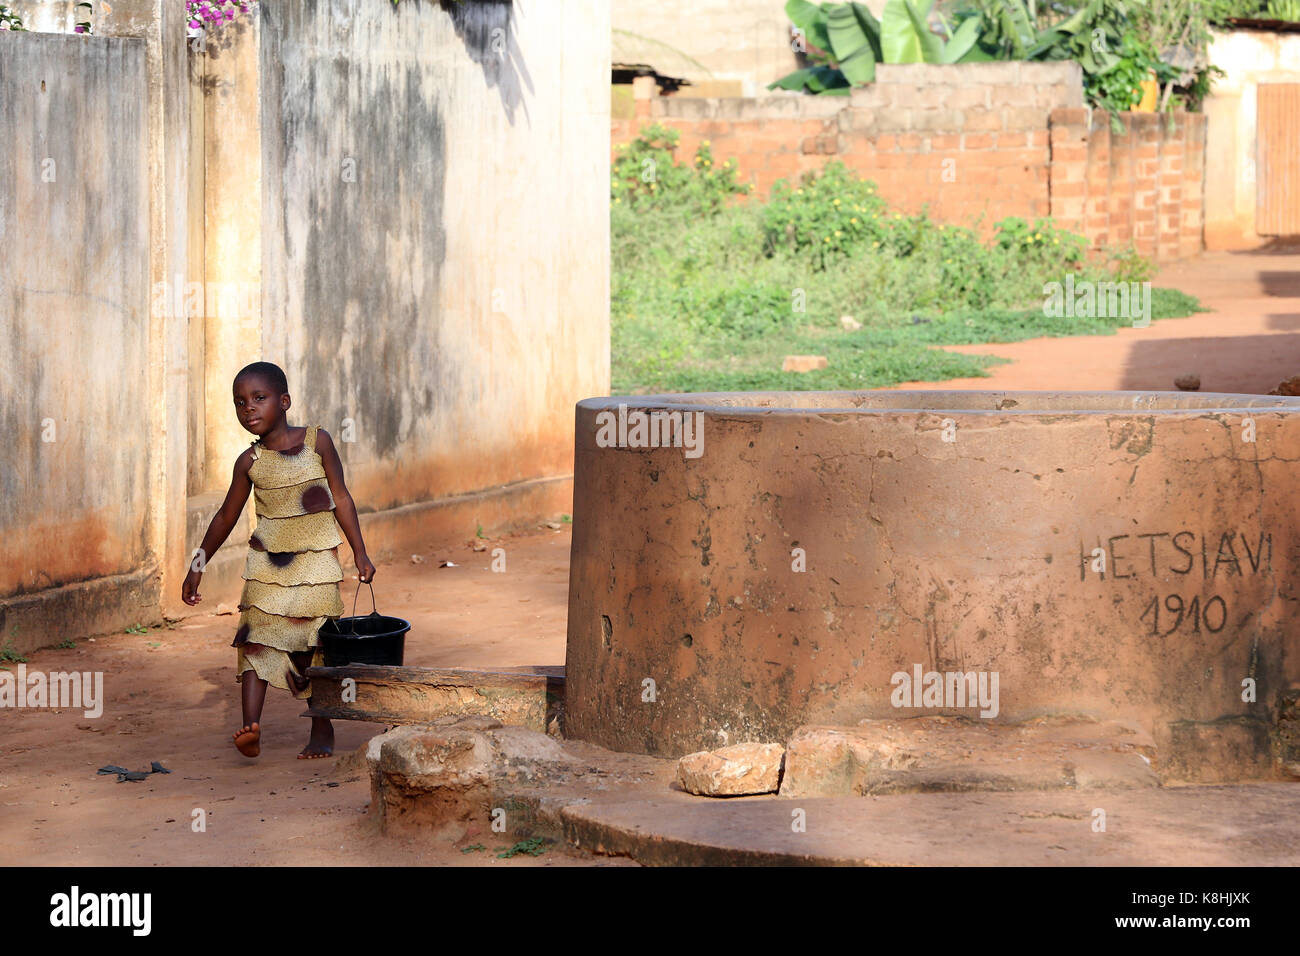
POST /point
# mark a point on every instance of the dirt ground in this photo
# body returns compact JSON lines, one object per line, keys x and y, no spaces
{"x":1249,"y":343}
{"x":171,"y":697}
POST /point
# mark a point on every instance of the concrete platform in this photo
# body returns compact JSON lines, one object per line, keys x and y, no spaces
{"x":1237,"y":825}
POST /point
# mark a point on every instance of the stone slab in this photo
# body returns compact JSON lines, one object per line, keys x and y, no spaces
{"x":1237,"y":825}
{"x":528,"y":697}
{"x":953,"y":753}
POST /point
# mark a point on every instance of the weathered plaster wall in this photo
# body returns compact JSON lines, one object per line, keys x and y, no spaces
{"x":435,"y":237}
{"x":405,"y":207}
{"x":1249,"y":57}
{"x":75,"y":395}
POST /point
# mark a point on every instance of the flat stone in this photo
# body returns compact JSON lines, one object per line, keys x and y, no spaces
{"x":453,"y":777}
{"x":803,"y":363}
{"x":746,"y":768}
{"x":954,"y":753}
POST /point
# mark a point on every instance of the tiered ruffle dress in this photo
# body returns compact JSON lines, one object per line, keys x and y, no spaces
{"x":292,"y":575}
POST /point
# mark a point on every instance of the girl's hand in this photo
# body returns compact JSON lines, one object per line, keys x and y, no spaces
{"x":190,"y":588}
{"x":365,"y":569}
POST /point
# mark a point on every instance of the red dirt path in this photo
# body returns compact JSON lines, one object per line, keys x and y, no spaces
{"x":1249,"y":343}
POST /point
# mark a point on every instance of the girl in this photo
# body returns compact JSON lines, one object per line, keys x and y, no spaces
{"x":292,"y":574}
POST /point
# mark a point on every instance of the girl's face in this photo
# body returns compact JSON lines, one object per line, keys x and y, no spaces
{"x":259,"y":408}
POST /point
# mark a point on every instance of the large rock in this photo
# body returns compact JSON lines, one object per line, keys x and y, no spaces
{"x":954,"y":753}
{"x":447,"y":777}
{"x":732,"y":771}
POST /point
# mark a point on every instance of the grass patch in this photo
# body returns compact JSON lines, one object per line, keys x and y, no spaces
{"x":710,"y":294}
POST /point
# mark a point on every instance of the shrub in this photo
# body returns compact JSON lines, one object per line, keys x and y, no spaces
{"x":646,"y":176}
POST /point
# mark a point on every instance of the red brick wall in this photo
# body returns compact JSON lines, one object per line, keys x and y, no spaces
{"x":1144,"y":186}
{"x":970,"y":142}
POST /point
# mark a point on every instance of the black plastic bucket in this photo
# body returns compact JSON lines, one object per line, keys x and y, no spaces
{"x":373,"y":638}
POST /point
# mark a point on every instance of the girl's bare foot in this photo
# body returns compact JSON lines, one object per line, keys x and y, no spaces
{"x":321,"y":742}
{"x":248,"y":740}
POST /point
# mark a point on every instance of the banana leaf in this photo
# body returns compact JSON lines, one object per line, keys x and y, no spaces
{"x":814,"y":79}
{"x":962,"y":42}
{"x":904,"y":35}
{"x":855,"y":40}
{"x":811,"y":19}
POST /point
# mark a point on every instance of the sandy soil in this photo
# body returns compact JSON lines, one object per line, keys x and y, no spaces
{"x":171,"y":695}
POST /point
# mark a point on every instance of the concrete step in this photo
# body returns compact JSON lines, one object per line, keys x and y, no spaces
{"x":1237,"y":825}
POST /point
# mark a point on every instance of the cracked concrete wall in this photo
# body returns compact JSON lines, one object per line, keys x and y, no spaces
{"x":435,"y":248}
{"x":973,"y":554}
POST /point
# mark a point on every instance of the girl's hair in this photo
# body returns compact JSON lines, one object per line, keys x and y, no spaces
{"x":272,"y":374}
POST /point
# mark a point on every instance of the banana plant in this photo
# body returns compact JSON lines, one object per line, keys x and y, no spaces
{"x":853,"y":41}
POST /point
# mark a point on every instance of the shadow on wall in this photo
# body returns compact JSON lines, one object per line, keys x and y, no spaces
{"x":484,"y":26}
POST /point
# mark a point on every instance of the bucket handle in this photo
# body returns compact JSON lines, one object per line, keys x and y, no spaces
{"x":374,"y":612}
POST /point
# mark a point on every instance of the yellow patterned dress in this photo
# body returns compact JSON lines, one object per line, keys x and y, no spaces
{"x":292,"y":575}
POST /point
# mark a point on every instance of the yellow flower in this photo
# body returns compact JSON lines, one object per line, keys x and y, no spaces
{"x":704,"y":142}
{"x":835,"y":202}
{"x":837,"y":233}
{"x":854,"y":219}
{"x":1038,"y":235}
{"x":1056,"y":242}
{"x":798,"y":192}
{"x":827,"y":239}
{"x":874,"y":244}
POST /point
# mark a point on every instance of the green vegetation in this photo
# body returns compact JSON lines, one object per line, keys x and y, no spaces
{"x":1119,"y":44}
{"x":533,"y":847}
{"x":9,"y":654}
{"x":715,"y":302}
{"x":1220,"y":12}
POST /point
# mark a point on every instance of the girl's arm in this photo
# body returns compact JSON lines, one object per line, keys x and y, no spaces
{"x":223,"y":522}
{"x":345,"y":511}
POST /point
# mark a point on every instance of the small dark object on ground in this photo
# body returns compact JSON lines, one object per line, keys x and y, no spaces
{"x":1290,"y":387}
{"x":132,"y":775}
{"x":1188,"y":383}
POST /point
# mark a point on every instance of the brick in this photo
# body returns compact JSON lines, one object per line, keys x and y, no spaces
{"x":939,"y":119}
{"x":945,"y":141}
{"x":977,"y":141}
{"x":1022,"y":117}
{"x":1069,"y":154}
{"x":911,"y":141}
{"x":979,"y":120}
{"x":1068,"y":190}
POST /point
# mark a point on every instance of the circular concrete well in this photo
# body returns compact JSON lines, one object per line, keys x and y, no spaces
{"x":744,"y":564}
